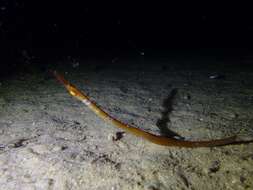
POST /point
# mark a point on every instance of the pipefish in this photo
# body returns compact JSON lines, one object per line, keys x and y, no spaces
{"x":156,"y":139}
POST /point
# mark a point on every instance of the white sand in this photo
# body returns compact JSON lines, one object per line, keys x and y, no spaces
{"x":49,"y":140}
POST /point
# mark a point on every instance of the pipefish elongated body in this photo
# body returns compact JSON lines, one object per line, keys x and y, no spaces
{"x":156,"y":139}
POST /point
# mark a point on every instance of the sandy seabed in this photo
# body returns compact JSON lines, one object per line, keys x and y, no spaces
{"x":49,"y":140}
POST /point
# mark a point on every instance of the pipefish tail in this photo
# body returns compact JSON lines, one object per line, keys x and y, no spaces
{"x":156,"y":139}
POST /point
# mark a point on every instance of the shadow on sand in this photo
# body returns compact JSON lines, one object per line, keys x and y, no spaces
{"x":162,"y":123}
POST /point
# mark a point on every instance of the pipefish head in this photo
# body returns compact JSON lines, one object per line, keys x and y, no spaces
{"x":75,"y":92}
{"x":70,"y":87}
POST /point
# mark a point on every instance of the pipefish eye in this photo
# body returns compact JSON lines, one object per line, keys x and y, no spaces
{"x":72,"y":93}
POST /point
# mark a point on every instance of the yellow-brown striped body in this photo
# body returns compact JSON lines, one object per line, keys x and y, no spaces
{"x":160,"y":140}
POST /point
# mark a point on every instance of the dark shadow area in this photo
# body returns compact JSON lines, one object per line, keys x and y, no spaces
{"x":162,"y":123}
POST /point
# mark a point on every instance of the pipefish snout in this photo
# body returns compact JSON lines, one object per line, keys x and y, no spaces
{"x":156,"y":139}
